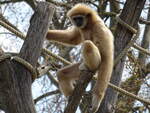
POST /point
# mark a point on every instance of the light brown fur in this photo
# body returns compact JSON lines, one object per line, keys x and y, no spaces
{"x":97,"y":50}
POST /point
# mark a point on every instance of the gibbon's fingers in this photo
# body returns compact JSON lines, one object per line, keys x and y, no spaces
{"x":96,"y":101}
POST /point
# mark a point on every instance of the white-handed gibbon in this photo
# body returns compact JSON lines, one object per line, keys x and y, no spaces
{"x":97,"y":50}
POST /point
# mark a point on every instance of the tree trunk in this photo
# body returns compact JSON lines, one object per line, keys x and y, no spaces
{"x":133,"y":84}
{"x":130,"y":14}
{"x":145,"y":41}
{"x":16,"y":79}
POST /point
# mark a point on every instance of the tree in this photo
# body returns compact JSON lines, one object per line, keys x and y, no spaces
{"x":15,"y":86}
{"x":130,"y":14}
{"x":16,"y":78}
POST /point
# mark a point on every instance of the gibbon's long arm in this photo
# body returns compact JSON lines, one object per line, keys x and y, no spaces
{"x":100,"y":87}
{"x":71,"y":36}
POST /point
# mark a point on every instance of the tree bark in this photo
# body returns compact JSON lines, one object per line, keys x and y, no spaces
{"x":133,"y":84}
{"x":145,"y":41}
{"x":16,"y":79}
{"x":130,"y":14}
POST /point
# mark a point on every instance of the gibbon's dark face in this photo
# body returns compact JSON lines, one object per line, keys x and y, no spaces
{"x":79,"y":21}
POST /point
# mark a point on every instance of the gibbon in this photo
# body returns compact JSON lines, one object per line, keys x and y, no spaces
{"x":97,"y":50}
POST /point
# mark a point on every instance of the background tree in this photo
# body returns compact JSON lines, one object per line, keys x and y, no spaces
{"x":131,"y":72}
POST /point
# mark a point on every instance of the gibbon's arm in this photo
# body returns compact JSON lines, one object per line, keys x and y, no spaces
{"x":71,"y":36}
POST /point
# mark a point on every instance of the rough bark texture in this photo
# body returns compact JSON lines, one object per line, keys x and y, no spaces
{"x":133,"y":84}
{"x":130,"y":14}
{"x":15,"y":79}
{"x":114,"y":7}
{"x":145,"y":41}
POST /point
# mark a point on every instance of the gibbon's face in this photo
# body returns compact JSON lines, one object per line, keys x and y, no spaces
{"x":79,"y":21}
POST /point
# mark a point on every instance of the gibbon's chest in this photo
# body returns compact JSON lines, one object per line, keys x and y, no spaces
{"x":91,"y":35}
{"x":98,"y":40}
{"x":86,"y":35}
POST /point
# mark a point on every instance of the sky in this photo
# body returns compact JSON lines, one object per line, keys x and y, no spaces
{"x":19,"y":14}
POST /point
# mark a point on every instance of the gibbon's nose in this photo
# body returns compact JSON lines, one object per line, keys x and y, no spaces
{"x":78,"y":21}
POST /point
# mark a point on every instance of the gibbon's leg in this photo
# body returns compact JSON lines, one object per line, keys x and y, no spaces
{"x":67,"y":78}
{"x":91,"y":55}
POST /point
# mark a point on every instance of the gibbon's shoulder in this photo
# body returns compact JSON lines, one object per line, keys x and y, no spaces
{"x":80,"y":9}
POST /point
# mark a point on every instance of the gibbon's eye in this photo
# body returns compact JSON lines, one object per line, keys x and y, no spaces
{"x":78,"y":20}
